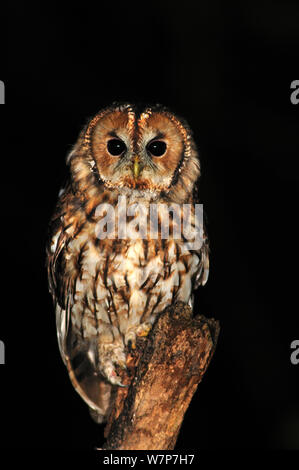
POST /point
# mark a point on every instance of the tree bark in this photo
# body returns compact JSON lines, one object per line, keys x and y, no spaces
{"x":163,"y":374}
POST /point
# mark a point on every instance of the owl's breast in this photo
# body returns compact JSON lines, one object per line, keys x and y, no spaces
{"x":129,"y":277}
{"x":121,"y":281}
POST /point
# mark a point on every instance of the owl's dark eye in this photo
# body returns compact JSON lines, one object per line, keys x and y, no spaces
{"x":157,"y":148}
{"x":116,"y":147}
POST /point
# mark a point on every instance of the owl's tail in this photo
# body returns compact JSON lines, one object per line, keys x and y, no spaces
{"x":88,"y":383}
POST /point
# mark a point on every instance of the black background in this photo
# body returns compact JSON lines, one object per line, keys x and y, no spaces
{"x":227,"y":68}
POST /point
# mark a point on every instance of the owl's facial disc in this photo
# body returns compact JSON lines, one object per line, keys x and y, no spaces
{"x":138,"y":151}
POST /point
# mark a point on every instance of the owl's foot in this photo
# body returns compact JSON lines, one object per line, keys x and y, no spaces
{"x":110,"y":356}
{"x":110,"y":373}
{"x":142,"y":330}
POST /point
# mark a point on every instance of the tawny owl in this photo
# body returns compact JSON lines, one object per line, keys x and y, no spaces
{"x":108,"y":287}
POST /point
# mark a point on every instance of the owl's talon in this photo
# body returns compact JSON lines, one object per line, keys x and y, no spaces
{"x":114,"y":379}
{"x":119,"y":384}
{"x":117,"y":358}
{"x":134,"y":332}
{"x":122,"y":385}
{"x":144,"y":329}
{"x":122,"y":365}
{"x":131,"y":344}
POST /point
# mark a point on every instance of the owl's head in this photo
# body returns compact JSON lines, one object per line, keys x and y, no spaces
{"x":148,"y":150}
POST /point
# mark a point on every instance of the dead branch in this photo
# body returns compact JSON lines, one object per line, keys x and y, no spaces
{"x":164,"y":372}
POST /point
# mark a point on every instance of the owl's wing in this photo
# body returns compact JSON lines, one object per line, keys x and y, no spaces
{"x":78,"y":354}
{"x":59,"y":285}
{"x":204,"y":264}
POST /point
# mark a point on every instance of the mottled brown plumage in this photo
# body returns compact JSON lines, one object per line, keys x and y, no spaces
{"x":108,"y":288}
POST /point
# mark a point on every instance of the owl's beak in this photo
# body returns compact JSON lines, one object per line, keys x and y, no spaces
{"x":136,"y":167}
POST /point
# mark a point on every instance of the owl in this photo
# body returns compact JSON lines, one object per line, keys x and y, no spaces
{"x":111,"y":269}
